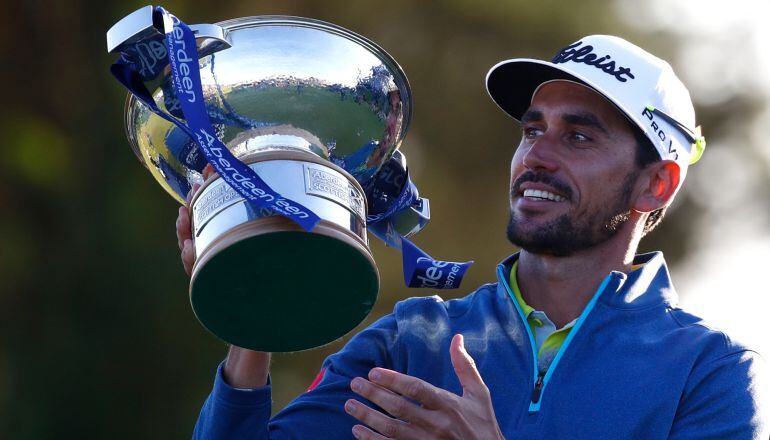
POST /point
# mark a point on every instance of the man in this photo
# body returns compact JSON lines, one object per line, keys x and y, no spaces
{"x":578,"y":338}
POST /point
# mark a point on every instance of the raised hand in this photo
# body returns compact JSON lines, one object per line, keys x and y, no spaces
{"x":438,"y":414}
{"x":243,"y":368}
{"x":184,"y":227}
{"x":184,"y":233}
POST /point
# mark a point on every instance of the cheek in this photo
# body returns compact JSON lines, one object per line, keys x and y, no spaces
{"x":516,"y":162}
{"x":606,"y":189}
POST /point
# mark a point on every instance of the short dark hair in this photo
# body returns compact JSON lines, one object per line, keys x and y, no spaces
{"x":645,"y":155}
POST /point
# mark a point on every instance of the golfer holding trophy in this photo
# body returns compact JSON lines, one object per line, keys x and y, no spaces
{"x":286,"y":133}
{"x":288,"y":129}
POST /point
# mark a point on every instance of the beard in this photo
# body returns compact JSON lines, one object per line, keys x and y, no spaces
{"x":571,"y":232}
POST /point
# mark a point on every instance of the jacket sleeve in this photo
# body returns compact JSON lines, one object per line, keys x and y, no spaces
{"x":230,"y":413}
{"x":725,"y":398}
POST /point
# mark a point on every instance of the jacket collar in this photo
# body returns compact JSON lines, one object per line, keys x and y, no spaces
{"x":645,"y":287}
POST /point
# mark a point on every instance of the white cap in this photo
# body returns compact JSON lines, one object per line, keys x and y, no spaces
{"x":641,"y":85}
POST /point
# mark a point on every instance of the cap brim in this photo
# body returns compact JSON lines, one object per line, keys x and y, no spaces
{"x":512,"y":83}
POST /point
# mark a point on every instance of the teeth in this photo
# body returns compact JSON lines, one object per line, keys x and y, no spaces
{"x":538,"y":194}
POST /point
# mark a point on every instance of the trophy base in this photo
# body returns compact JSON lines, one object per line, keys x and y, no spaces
{"x":263,"y":283}
{"x":267,"y":285}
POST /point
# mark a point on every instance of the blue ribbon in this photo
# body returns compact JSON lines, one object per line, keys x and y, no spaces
{"x":145,"y":60}
{"x":420,"y":269}
{"x":182,"y":55}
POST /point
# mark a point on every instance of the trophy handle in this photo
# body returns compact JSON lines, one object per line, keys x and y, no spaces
{"x":139,"y":26}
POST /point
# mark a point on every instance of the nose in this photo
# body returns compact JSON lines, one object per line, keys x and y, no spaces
{"x":541,"y":154}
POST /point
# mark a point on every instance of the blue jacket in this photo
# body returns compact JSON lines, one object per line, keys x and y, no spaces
{"x":633,"y":367}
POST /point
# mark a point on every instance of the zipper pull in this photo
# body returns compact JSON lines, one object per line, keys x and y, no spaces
{"x":538,"y":388}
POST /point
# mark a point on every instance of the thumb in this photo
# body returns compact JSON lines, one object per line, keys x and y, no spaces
{"x":465,"y":368}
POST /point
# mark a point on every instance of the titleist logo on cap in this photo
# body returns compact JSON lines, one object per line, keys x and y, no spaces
{"x":586,"y":55}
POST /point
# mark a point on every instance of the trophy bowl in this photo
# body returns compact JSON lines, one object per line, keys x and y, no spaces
{"x":315,"y":110}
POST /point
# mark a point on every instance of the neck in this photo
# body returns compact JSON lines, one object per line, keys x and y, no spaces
{"x":562,"y":286}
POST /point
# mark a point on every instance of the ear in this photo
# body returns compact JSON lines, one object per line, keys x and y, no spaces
{"x":659,"y":182}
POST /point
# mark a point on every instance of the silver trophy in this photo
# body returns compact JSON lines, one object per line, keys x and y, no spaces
{"x":315,"y":110}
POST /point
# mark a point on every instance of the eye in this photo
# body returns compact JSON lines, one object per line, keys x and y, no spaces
{"x":579,"y":137}
{"x":531,"y":132}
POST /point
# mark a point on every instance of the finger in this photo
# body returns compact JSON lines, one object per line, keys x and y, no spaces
{"x":193,"y":190}
{"x":188,"y":256}
{"x":397,"y":406}
{"x":183,"y":231}
{"x":361,"y":432}
{"x":387,"y":426}
{"x":208,"y":170}
{"x":465,"y":367}
{"x":416,"y":389}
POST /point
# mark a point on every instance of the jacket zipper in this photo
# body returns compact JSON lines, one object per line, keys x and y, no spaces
{"x":538,"y":390}
{"x":540,"y":379}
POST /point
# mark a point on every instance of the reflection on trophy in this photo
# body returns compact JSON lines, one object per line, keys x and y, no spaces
{"x":316,"y":111}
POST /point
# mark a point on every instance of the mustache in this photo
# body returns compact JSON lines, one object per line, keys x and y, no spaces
{"x":541,"y":177}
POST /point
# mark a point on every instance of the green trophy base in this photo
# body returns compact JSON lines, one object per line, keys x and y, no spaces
{"x":267,"y":285}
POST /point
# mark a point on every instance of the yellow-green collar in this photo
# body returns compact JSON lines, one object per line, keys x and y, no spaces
{"x":526,"y":308}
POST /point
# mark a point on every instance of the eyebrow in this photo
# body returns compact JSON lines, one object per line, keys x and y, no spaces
{"x":585,"y":119}
{"x":531,"y":116}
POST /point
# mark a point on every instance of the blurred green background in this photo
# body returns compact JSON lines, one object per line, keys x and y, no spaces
{"x":97,"y":338}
